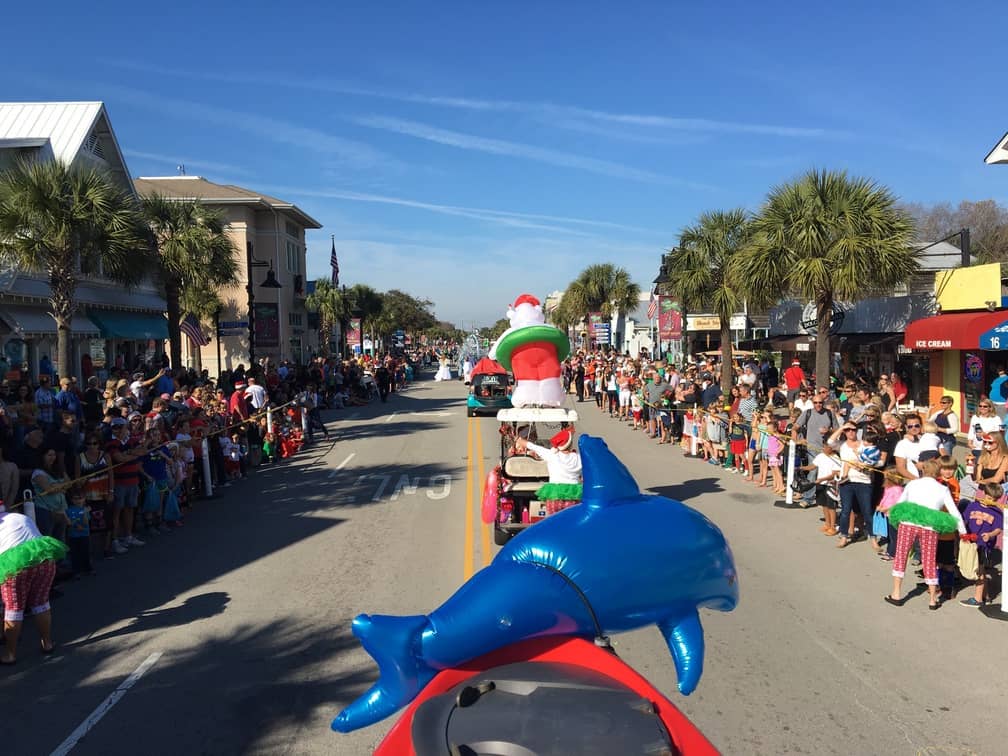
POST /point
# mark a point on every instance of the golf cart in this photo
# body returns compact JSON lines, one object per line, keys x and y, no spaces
{"x":509,"y":499}
{"x":489,"y":388}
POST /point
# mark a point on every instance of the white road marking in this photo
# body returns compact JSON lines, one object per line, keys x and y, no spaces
{"x":391,"y":417}
{"x":103,"y":708}
{"x":335,"y":473}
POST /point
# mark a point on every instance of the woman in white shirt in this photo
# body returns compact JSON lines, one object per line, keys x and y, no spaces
{"x":984,"y":421}
{"x":855,"y":483}
{"x":924,"y":510}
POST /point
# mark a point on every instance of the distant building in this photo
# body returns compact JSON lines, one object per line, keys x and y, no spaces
{"x":112,"y":325}
{"x":271,"y":232}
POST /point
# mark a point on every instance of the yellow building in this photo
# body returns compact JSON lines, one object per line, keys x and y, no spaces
{"x":269,"y":238}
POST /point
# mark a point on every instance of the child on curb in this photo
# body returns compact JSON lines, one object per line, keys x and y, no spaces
{"x":984,"y":523}
{"x":892,"y":490}
{"x":827,"y":468}
{"x":737,"y":442}
{"x":79,"y":531}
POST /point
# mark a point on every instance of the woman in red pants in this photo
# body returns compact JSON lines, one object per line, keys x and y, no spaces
{"x":27,"y":568}
{"x":923,"y":512}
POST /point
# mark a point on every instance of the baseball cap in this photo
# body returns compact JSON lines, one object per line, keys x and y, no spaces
{"x":117,"y":421}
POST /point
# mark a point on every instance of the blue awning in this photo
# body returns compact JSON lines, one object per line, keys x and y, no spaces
{"x":130,"y":325}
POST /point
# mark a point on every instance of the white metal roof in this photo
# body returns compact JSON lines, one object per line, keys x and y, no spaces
{"x":67,"y":127}
{"x":1000,"y":152}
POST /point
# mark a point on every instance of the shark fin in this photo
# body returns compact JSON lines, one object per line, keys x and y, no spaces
{"x":606,"y":479}
{"x":685,"y":640}
{"x":393,"y":643}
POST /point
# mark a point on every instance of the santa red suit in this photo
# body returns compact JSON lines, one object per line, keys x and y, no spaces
{"x":532,"y":351}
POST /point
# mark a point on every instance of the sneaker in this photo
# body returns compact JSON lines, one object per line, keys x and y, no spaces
{"x":134,"y":541}
{"x":118,"y":548}
{"x":970,"y":602}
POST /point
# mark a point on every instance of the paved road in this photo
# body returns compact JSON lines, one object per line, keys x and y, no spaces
{"x":239,"y":621}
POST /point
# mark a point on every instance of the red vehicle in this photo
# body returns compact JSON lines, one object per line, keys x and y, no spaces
{"x":552,"y":695}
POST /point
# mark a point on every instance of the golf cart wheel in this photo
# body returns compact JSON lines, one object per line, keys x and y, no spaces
{"x":501,"y":536}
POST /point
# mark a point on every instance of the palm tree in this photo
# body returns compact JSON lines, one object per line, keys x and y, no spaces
{"x":191,"y":250}
{"x":703,"y":275}
{"x":600,"y":288}
{"x":333,"y":307}
{"x":71,"y":223}
{"x":367,"y":303}
{"x":828,"y":237}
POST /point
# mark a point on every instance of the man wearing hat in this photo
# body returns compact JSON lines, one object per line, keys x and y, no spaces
{"x":562,"y":460}
{"x":794,"y":380}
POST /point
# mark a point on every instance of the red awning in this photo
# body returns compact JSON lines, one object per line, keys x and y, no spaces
{"x":957,"y":330}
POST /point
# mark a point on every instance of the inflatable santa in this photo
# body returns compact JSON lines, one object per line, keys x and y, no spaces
{"x":532,"y":351}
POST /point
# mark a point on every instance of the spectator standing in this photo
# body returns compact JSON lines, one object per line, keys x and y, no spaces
{"x":948,"y":424}
{"x":984,"y":421}
{"x":99,"y":489}
{"x":907,"y":451}
{"x":999,"y":393}
{"x":794,"y":380}
{"x":45,"y":403}
{"x":814,"y":425}
{"x":256,"y":394}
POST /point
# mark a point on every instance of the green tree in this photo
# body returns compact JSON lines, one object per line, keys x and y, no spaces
{"x":827,"y":237}
{"x":333,"y":307}
{"x":70,"y":223}
{"x":601,"y":288}
{"x":191,"y":251}
{"x":494,"y":331}
{"x":704,"y":273}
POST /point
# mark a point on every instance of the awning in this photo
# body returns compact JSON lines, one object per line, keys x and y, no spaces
{"x":36,"y":321}
{"x":133,"y":326}
{"x":957,"y":330}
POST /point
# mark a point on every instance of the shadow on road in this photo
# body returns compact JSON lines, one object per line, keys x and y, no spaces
{"x":688,"y":489}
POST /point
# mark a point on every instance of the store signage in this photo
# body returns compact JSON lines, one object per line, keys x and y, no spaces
{"x":267,"y":326}
{"x":802,"y":346}
{"x":996,"y":338}
{"x":669,"y":319}
{"x":96,"y":348}
{"x":933,"y":344}
{"x":233,"y":325}
{"x":703,"y":323}
{"x":810,"y":319}
{"x":738,"y":322}
{"x":354,"y":335}
{"x":973,"y":368}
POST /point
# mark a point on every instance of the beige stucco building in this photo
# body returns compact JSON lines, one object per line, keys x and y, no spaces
{"x":269,"y":233}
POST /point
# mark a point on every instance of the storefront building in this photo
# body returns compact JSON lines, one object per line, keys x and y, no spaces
{"x":112,"y":325}
{"x":966,"y":344}
{"x":269,"y":237}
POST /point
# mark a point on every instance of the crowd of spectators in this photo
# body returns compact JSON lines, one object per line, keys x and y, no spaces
{"x":858,"y":447}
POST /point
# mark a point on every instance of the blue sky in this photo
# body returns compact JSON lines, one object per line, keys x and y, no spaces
{"x":467,"y":152}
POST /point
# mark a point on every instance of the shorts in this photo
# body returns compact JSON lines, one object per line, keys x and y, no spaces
{"x":624,"y":398}
{"x":666,"y":418}
{"x":126,"y":497}
{"x":636,"y":414}
{"x":822,"y":498}
{"x":738,"y":446}
{"x":719,"y":446}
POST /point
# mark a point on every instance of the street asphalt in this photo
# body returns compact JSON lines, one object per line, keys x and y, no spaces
{"x":231,"y":635}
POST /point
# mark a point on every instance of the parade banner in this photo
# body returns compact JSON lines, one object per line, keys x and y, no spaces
{"x":669,"y":319}
{"x":353,"y":336}
{"x":595,"y":319}
{"x":267,"y":326}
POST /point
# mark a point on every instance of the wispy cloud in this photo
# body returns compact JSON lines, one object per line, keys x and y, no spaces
{"x":464,"y":141}
{"x":560,"y":115}
{"x":175,"y":160}
{"x":351,"y":152}
{"x":552,"y":223}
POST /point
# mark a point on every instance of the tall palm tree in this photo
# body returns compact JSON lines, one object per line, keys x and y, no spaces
{"x":69,"y":222}
{"x":601,"y":288}
{"x":828,"y":237}
{"x":367,"y":303}
{"x":704,"y":273}
{"x":333,"y":308}
{"x":191,"y":250}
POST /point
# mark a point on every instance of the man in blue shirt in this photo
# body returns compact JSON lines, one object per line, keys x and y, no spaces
{"x":999,"y":393}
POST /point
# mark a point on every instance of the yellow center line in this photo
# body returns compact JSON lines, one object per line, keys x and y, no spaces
{"x":468,"y":553}
{"x":484,"y":528}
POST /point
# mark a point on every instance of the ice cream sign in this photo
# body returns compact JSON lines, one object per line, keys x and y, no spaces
{"x":996,"y":338}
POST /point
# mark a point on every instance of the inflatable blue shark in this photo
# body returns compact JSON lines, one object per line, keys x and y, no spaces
{"x":618,"y":561}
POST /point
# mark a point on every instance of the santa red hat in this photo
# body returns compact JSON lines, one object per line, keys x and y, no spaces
{"x":563,"y":440}
{"x":526,"y":299}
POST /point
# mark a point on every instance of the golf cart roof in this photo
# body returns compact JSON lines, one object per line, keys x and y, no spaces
{"x":537,"y":415}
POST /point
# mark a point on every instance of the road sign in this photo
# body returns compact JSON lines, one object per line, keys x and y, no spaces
{"x":233,"y":325}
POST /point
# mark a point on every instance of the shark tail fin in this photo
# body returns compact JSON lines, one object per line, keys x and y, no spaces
{"x":606,"y":479}
{"x":685,"y":640}
{"x":393,"y":642}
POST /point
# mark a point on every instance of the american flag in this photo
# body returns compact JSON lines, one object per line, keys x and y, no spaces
{"x":334,"y":263}
{"x":652,"y":307}
{"x":190,"y":326}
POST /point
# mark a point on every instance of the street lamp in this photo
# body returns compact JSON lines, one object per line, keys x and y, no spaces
{"x":270,"y":283}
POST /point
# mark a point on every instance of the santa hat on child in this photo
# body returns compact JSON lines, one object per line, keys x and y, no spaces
{"x":563,"y":440}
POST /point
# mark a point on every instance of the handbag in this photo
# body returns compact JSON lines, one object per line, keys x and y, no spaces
{"x":172,"y":513}
{"x":969,"y":560}
{"x":880,"y":525}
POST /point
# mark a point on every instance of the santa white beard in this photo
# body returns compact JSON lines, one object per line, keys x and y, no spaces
{"x":525,"y":314}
